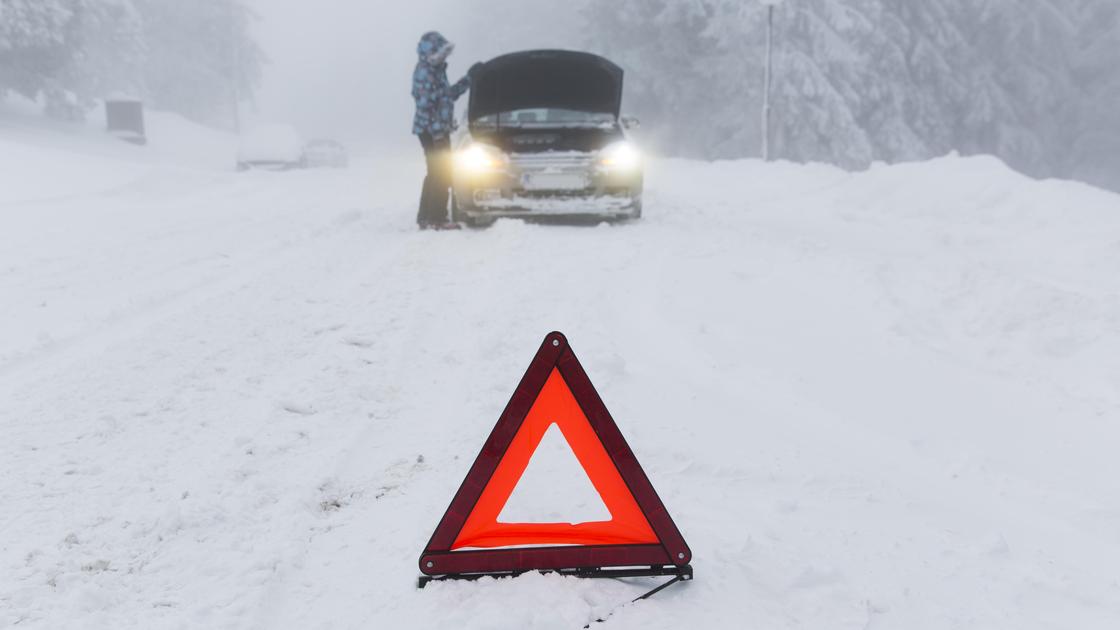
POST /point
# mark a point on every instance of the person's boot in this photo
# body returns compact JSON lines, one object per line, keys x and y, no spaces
{"x":440,"y":226}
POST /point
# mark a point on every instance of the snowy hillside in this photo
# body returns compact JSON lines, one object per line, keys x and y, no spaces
{"x":887,"y":399}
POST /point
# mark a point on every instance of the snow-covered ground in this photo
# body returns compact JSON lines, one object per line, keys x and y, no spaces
{"x":888,"y":399}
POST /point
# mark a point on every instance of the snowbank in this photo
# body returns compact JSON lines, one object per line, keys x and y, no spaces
{"x":883,"y":399}
{"x":47,"y":159}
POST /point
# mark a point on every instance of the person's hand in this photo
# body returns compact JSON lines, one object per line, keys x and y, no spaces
{"x":475,"y":68}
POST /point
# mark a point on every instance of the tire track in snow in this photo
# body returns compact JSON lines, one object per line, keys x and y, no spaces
{"x":195,"y":406}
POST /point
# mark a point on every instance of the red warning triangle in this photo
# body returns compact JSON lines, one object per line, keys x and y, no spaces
{"x":555,"y":390}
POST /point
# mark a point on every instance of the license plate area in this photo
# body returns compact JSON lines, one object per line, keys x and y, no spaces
{"x":553,"y":181}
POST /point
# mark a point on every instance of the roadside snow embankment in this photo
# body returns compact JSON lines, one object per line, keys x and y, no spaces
{"x":883,"y":399}
{"x":44,"y":160}
{"x":97,"y":235}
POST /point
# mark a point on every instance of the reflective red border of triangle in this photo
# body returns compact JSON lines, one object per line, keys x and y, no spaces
{"x":438,"y":559}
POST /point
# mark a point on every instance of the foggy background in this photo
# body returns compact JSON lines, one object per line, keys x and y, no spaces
{"x":343,"y":68}
{"x":1035,"y":82}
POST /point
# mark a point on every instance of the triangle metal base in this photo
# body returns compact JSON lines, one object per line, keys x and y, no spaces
{"x":680,"y":573}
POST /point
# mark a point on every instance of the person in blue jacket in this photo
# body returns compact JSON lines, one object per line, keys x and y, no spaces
{"x":434,"y":121}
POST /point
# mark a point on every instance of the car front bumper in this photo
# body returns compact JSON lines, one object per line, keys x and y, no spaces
{"x":549,"y":185}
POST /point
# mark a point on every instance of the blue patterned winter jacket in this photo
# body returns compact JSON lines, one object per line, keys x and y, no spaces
{"x":435,"y":97}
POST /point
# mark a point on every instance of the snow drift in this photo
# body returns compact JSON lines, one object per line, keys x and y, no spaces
{"x":881,"y":399}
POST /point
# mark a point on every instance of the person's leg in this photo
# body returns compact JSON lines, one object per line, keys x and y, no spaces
{"x":441,"y":179}
{"x":426,"y":191}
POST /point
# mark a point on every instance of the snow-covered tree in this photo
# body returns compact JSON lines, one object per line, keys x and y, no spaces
{"x":1032,"y":81}
{"x":106,"y":42}
{"x":201,"y":57}
{"x":32,"y":47}
{"x":1094,"y":140}
{"x":68,"y":51}
{"x":195,"y":57}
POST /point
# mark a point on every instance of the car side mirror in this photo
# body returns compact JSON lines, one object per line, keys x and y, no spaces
{"x":630,"y":122}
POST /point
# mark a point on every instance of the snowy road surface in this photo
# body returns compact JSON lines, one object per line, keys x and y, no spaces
{"x":879,"y":400}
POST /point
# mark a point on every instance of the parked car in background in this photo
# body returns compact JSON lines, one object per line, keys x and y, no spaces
{"x":545,"y":139}
{"x":272,"y":147}
{"x":324,"y":153}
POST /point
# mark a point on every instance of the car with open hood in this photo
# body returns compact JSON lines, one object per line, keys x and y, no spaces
{"x":544,"y":139}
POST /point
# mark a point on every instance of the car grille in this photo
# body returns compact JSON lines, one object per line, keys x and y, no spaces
{"x":572,"y":161}
{"x":552,"y":172}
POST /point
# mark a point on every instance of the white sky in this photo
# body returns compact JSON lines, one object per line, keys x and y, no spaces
{"x":342,"y":68}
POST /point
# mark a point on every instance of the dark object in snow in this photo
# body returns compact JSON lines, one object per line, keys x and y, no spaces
{"x":640,"y":539}
{"x":124,"y":118}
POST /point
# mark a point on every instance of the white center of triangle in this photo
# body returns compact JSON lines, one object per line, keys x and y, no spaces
{"x":554,"y":488}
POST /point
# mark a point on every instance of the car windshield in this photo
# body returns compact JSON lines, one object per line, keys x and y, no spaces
{"x":546,"y":117}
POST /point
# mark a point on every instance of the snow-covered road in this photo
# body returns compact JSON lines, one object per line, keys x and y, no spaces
{"x":878,"y":400}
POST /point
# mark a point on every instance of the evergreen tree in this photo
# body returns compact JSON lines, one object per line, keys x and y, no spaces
{"x":1094,"y":141}
{"x":201,"y":58}
{"x":106,"y":47}
{"x":32,"y":43}
{"x":1034,"y":82}
{"x":195,"y":57}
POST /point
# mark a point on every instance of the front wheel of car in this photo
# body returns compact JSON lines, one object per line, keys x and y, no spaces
{"x":636,"y":209}
{"x":478,"y":224}
{"x":458,"y":215}
{"x":634,"y":215}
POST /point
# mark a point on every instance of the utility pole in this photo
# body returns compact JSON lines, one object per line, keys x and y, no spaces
{"x":768,"y":77}
{"x":235,"y":65}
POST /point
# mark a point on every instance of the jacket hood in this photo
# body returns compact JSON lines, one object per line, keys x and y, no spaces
{"x":434,"y":48}
{"x":560,"y":79}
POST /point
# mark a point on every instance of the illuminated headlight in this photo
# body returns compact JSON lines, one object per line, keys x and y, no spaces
{"x":479,"y":158}
{"x":621,"y":156}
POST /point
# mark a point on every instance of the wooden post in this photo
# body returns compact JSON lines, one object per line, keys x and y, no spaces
{"x":235,"y":64}
{"x":767,"y":82}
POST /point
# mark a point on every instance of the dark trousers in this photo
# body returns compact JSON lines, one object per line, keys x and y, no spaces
{"x":433,"y":198}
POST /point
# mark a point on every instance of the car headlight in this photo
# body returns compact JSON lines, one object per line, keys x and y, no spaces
{"x":479,"y":158}
{"x":621,"y":156}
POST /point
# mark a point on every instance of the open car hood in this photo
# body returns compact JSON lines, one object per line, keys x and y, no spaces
{"x":560,"y":79}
